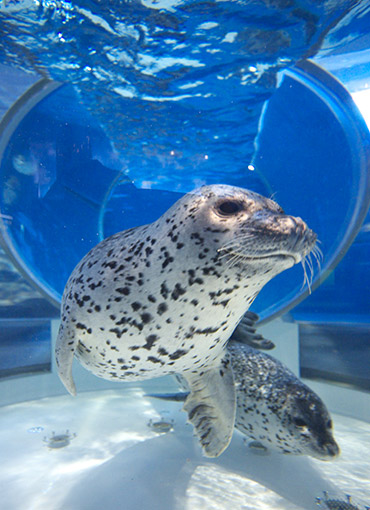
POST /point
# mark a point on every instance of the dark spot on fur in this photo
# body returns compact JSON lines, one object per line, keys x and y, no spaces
{"x":83,"y":346}
{"x":117,"y":332}
{"x":164,"y":290}
{"x":167,"y":261}
{"x":94,"y":286}
{"x":123,"y":290}
{"x":199,"y":281}
{"x":162,"y":307}
{"x":150,"y":340}
{"x":177,"y":354}
{"x":154,"y":360}
{"x":146,"y":317}
{"x":177,"y":292}
{"x":79,"y":325}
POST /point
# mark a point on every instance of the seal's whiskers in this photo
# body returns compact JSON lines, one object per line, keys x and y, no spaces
{"x":236,"y":257}
{"x":318,"y":256}
{"x":305,"y":276}
{"x":233,"y":250}
{"x":236,"y":242}
{"x":310,"y":267}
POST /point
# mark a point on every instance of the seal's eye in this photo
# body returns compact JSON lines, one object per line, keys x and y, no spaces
{"x":329,"y":424}
{"x":229,"y":207}
{"x":299,"y":422}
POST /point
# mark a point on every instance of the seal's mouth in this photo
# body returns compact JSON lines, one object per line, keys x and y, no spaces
{"x":280,"y":259}
{"x":328,"y":451}
{"x":276,"y":256}
{"x":240,"y":256}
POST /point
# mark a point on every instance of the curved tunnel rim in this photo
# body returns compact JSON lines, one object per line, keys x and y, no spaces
{"x":8,"y":125}
{"x":311,"y":74}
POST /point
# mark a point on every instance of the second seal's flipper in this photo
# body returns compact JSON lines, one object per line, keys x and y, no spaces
{"x":211,"y":406}
{"x":245,"y":333}
{"x":64,"y":352}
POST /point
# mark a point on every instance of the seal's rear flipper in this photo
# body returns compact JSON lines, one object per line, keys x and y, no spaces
{"x":64,"y":352}
{"x":245,"y":333}
{"x":211,"y":406}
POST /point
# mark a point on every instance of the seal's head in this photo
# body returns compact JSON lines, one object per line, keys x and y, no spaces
{"x":308,"y":424}
{"x":276,"y":409}
{"x":246,"y":230}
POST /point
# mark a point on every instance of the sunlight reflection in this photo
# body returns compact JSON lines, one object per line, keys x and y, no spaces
{"x":362,"y":100}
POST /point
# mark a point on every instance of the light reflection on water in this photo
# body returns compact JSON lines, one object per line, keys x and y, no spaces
{"x":174,"y":75}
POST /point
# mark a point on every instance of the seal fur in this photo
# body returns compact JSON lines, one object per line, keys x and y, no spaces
{"x":274,"y":407}
{"x":165,"y":298}
{"x":277,"y":409}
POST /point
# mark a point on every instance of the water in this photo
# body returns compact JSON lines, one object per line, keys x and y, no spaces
{"x":153,"y":99}
{"x":188,"y":79}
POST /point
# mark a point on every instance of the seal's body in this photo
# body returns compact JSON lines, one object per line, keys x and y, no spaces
{"x":273,"y":407}
{"x":276,"y":409}
{"x":166,"y":297}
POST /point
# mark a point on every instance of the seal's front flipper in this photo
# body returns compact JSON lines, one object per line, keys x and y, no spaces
{"x":211,"y":406}
{"x":64,"y":352}
{"x":245,"y":333}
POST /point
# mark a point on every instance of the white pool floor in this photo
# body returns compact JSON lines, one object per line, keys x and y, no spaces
{"x":116,"y":460}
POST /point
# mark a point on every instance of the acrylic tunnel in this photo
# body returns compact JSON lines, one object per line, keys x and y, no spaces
{"x":65,"y":188}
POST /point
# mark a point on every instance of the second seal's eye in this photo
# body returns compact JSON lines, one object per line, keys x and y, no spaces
{"x":299,"y":422}
{"x":229,"y":207}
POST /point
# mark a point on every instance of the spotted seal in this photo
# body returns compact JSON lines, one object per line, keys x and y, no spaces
{"x":275,"y":408}
{"x":165,"y":298}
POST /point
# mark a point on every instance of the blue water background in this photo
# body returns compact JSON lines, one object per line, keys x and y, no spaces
{"x":176,"y":85}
